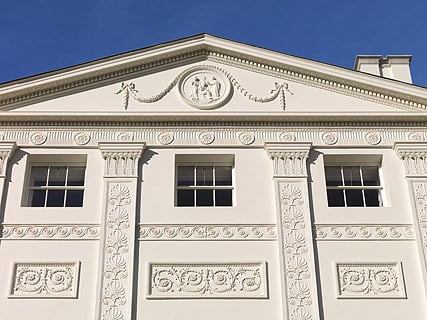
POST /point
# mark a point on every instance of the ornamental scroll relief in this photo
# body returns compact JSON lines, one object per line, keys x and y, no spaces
{"x":205,"y":87}
{"x":370,"y":280}
{"x":203,"y":280}
{"x":45,"y":280}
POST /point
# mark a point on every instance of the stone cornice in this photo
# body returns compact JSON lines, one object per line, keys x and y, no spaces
{"x":121,"y":158}
{"x":146,"y":61}
{"x":289,"y":159}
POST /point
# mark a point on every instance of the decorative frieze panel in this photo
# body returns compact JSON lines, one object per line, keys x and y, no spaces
{"x":289,"y":160}
{"x":202,"y":280}
{"x":49,"y":232}
{"x":45,"y":280}
{"x":370,"y":280}
{"x":153,"y":232}
{"x":223,"y":134}
{"x":364,"y":232}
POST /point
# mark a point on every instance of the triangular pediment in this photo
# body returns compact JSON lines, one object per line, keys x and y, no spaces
{"x":204,"y":75}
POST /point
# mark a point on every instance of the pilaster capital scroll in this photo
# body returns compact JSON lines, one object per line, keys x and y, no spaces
{"x":414,"y":157}
{"x":289,"y":159}
{"x":121,"y":158}
{"x":6,"y":152}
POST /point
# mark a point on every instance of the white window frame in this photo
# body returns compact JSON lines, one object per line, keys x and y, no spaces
{"x":37,"y":161}
{"x":218,"y":160}
{"x":356,"y":161}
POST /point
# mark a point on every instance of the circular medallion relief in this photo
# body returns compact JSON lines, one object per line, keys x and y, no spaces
{"x":204,"y":87}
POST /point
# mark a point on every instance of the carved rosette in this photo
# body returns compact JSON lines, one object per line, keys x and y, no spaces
{"x":38,"y":280}
{"x":115,"y":296}
{"x":81,"y":138}
{"x":296,"y":251}
{"x":242,"y":280}
{"x":6,"y":151}
{"x":121,"y":159}
{"x":38,"y":138}
{"x":207,"y":137}
{"x":247,"y":138}
{"x":373,"y":138}
{"x":287,"y":136}
{"x":379,"y":280}
{"x":330,"y":138}
{"x":289,"y":160}
{"x":166,"y":138}
{"x":125,"y":136}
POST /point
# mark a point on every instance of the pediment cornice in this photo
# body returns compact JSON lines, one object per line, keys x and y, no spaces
{"x":208,"y":48}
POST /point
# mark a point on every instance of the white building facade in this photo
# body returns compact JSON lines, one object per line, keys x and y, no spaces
{"x":205,"y":178}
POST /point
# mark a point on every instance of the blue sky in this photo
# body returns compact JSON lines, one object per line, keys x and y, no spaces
{"x":37,"y":36}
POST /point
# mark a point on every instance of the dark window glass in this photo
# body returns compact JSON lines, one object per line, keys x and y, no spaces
{"x":38,"y":176}
{"x":333,"y":176}
{"x":354,"y":198}
{"x":76,"y":176}
{"x":370,"y":176}
{"x":372,"y":198}
{"x":57,"y":176}
{"x":185,"y":176}
{"x":336,"y":198}
{"x":223,"y":176}
{"x":204,"y":198}
{"x":55,"y":198}
{"x":185,"y":198}
{"x":352,"y":176}
{"x":204,"y":176}
{"x":74,"y":198}
{"x":224,"y":198}
{"x":37,"y":198}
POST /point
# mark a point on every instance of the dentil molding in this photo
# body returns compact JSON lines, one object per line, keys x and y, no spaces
{"x":158,"y":232}
{"x":207,"y":280}
{"x":364,"y":232}
{"x":49,"y":232}
{"x":45,"y":280}
{"x":370,"y":280}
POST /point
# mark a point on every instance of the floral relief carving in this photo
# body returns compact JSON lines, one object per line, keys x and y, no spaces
{"x":295,"y":246}
{"x":166,"y":138}
{"x":207,"y":232}
{"x":416,"y":136}
{"x":247,"y":138}
{"x":330,"y":138}
{"x":38,"y":138}
{"x":362,"y":232}
{"x":244,"y":280}
{"x":383,"y":280}
{"x":287,"y":136}
{"x":117,"y":240}
{"x":81,"y":138}
{"x":206,"y":137}
{"x":373,"y":138}
{"x":125,"y":136}
{"x":37,"y":280}
{"x":42,"y":232}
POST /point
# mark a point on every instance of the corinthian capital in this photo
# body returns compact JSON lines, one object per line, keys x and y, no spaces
{"x":414,"y":157}
{"x":121,"y":159}
{"x":289,"y":159}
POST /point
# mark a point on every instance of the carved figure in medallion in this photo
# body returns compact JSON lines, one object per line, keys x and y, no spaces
{"x":203,"y":90}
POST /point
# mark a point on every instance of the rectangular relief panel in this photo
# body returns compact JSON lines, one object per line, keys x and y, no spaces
{"x":207,"y":280}
{"x":370,"y":280}
{"x":45,"y":280}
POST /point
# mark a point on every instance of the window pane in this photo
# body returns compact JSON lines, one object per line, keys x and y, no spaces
{"x":354,"y":198}
{"x":76,"y":176}
{"x":333,"y":176}
{"x":204,"y":176}
{"x":352,"y":176}
{"x":38,"y":176}
{"x":223,"y":198}
{"x":185,"y":176}
{"x":336,"y":198}
{"x":74,"y":198}
{"x":204,"y":198}
{"x":223,"y":176}
{"x":185,"y":198}
{"x":370,"y":176}
{"x":57,"y":176}
{"x":55,"y":198}
{"x":37,"y":198}
{"x":372,"y":198}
